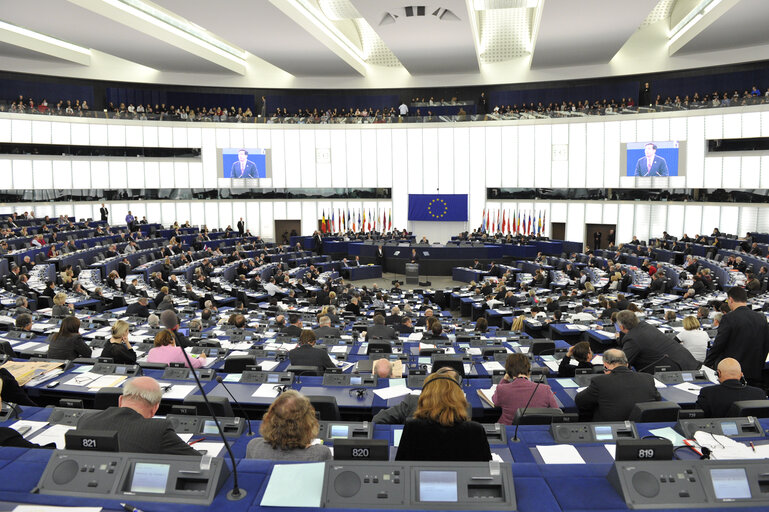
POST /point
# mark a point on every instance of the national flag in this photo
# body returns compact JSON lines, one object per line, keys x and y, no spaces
{"x":544,"y":216}
{"x":369,"y":220}
{"x":323,"y":222}
{"x":333,"y":221}
{"x":503,"y":221}
{"x":531,"y":229}
{"x":487,"y":220}
{"x":390,"y":221}
{"x":360,"y":223}
{"x":508,"y":223}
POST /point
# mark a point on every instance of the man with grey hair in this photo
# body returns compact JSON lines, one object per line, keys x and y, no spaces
{"x":153,"y":321}
{"x":171,"y":322}
{"x":612,"y":396}
{"x":133,"y":421}
{"x":325,"y":330}
{"x":646,"y":346}
{"x":22,"y":306}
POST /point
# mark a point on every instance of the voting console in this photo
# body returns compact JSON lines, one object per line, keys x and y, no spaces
{"x":134,"y":477}
{"x":692,"y":484}
{"x":419,"y":486}
{"x":730,"y":427}
{"x":593,"y":432}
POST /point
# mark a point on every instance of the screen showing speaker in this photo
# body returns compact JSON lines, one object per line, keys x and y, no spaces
{"x":652,"y":159}
{"x":243,"y":167}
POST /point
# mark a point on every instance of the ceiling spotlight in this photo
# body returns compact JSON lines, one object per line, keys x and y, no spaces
{"x":388,"y":19}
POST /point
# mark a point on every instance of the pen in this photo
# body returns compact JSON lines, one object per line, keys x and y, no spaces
{"x":129,"y":508}
{"x":203,"y":439}
{"x":753,"y":446}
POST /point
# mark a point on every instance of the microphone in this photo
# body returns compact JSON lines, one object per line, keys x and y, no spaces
{"x":236,"y":493}
{"x":653,"y":363}
{"x":220,"y":380}
{"x":518,"y":420}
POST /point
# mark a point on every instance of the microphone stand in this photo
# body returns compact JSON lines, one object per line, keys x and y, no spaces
{"x":236,"y":493}
{"x":220,"y":380}
{"x":518,"y":421}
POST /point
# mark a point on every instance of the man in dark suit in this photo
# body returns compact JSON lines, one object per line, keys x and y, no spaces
{"x":380,"y":330}
{"x":104,"y":212}
{"x":295,"y":328}
{"x":611,"y":397}
{"x":241,"y":227}
{"x":717,"y":400}
{"x":379,"y":256}
{"x":138,"y":308}
{"x":646,"y":347}
{"x":133,"y":420}
{"x":650,"y":164}
{"x":243,"y":168}
{"x":658,"y":284}
{"x":307,"y":355}
{"x":325,"y":330}
{"x":395,"y":316}
{"x":318,"y":240}
{"x":743,"y":334}
{"x":405,"y":327}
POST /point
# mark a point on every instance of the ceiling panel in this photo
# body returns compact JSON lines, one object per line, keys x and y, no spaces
{"x":429,"y":44}
{"x":74,"y":24}
{"x":745,"y":24}
{"x":266,"y":32}
{"x":585,"y":32}
{"x":17,"y":52}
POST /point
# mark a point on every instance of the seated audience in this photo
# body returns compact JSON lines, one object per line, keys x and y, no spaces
{"x":11,"y":438}
{"x":716,"y":401}
{"x":611,"y":397}
{"x":118,"y":347}
{"x":581,"y":354}
{"x":288,"y":429}
{"x":307,"y":355}
{"x":516,"y":390}
{"x":441,"y":429}
{"x":67,"y":343}
{"x":380,"y":330}
{"x":166,"y":351}
{"x":693,"y":338}
{"x":137,"y":430}
{"x":60,"y":307}
{"x":646,"y":346}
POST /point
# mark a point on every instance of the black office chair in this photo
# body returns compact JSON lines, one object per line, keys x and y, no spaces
{"x":380,"y":347}
{"x":537,"y":416}
{"x":221,"y":405}
{"x":456,"y":364}
{"x":756,"y":408}
{"x":326,"y":408}
{"x":107,"y":397}
{"x":542,"y":347}
{"x":655,"y":412}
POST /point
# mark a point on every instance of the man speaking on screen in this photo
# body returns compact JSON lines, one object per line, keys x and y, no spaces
{"x":243,"y":168}
{"x":650,"y":164}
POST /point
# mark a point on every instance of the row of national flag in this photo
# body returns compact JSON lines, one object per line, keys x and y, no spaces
{"x":356,"y":220}
{"x":517,"y":222}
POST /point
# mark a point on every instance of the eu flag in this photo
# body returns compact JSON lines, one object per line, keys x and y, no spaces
{"x":438,"y":207}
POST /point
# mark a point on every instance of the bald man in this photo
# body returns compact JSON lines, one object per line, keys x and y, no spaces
{"x":385,"y":369}
{"x":717,"y":400}
{"x":133,"y":420}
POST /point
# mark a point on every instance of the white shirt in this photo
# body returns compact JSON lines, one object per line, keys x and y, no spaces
{"x":272,"y":289}
{"x":696,"y":342}
{"x":403,"y":109}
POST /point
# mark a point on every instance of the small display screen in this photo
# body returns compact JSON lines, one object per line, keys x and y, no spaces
{"x":730,"y":484}
{"x":120,"y":370}
{"x":209,"y":427}
{"x":340,"y":431}
{"x":355,"y":381}
{"x":438,"y":486}
{"x":425,"y":360}
{"x":688,"y":377}
{"x":729,"y":428}
{"x":213,"y":352}
{"x":150,"y":478}
{"x":272,"y":378}
{"x":603,"y":433}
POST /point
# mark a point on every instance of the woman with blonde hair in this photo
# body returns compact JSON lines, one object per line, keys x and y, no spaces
{"x":118,"y":347}
{"x":60,"y":306}
{"x":288,"y":429}
{"x":693,"y":338}
{"x":518,"y":324}
{"x":441,"y":428}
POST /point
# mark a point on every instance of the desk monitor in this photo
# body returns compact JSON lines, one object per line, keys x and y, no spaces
{"x":149,"y":478}
{"x":437,"y":486}
{"x":572,"y":433}
{"x":732,"y":427}
{"x":331,"y":430}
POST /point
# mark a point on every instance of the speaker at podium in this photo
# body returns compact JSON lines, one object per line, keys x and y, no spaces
{"x":412,"y":273}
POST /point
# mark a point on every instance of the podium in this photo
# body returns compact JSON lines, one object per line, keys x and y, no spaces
{"x":412,"y":273}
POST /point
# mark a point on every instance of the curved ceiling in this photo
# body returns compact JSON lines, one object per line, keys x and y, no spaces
{"x":374,"y":43}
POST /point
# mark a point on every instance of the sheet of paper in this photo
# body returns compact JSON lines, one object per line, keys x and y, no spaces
{"x":658,"y":384}
{"x":265,"y":391}
{"x":488,"y":394}
{"x":34,"y":426}
{"x":107,"y":381}
{"x":560,"y":454}
{"x":211,"y":448}
{"x":689,"y":388}
{"x":338,"y":349}
{"x":669,"y":434}
{"x":496,"y":457}
{"x":281,"y":489}
{"x":612,"y":449}
{"x":232,"y":377}
{"x":53,"y":434}
{"x":397,"y":434}
{"x":51,"y":508}
{"x":597,"y":360}
{"x":396,"y":382}
{"x":185,"y":437}
{"x":178,"y":391}
{"x":392,"y":392}
{"x":552,"y":365}
{"x":82,"y":379}
{"x":490,"y":366}
{"x":474,"y":351}
{"x":26,"y":346}
{"x":567,"y":383}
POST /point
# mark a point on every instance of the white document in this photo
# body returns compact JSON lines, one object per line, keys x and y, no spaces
{"x":552,"y":365}
{"x":612,"y":449}
{"x":392,"y":392}
{"x":268,"y":366}
{"x":185,"y":437}
{"x":597,"y":360}
{"x":30,"y":345}
{"x":265,"y":391}
{"x":52,"y":508}
{"x":415,"y":336}
{"x":53,"y":434}
{"x":474,"y":351}
{"x":82,"y":379}
{"x":560,"y":454}
{"x":489,"y":393}
{"x":34,"y":426}
{"x":496,"y":457}
{"x":490,"y":366}
{"x":694,"y":389}
{"x":211,"y":448}
{"x":177,"y":391}
{"x":107,"y":381}
{"x":338,"y":349}
{"x":658,"y":384}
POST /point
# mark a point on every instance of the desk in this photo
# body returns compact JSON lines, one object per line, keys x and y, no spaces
{"x":363,"y":272}
{"x":468,"y":274}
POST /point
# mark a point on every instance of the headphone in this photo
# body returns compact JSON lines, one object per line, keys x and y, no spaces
{"x":359,"y":393}
{"x":440,"y":377}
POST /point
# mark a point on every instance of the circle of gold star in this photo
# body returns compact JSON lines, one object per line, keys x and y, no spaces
{"x":437,"y":208}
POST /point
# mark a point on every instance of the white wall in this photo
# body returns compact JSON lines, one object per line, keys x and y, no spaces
{"x":454,"y":158}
